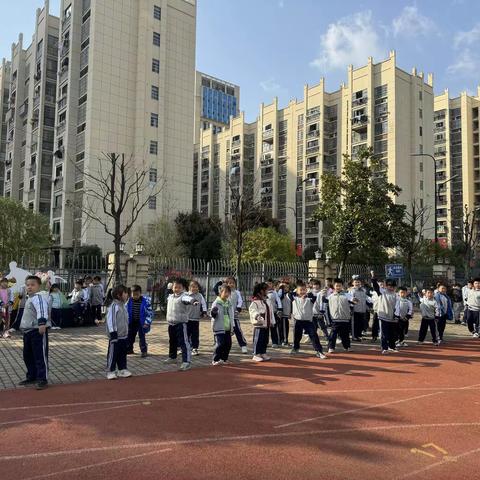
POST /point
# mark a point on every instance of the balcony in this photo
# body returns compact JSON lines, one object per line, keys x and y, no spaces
{"x":313,"y":134}
{"x":66,"y":22}
{"x":38,"y":76}
{"x":31,"y":195}
{"x":57,"y":239}
{"x":312,"y":148}
{"x":359,"y":101}
{"x":439,"y":129}
{"x":313,"y":116}
{"x":61,"y":127}
{"x":267,"y":134}
{"x":440,"y":152}
{"x":36,"y":100}
{"x":359,"y":138}
{"x":62,"y":103}
{"x":313,"y":198}
{"x":65,"y":49}
{"x":235,"y":143}
{"x":57,"y":212}
{"x":311,"y":231}
{"x":63,"y":75}
{"x":360,"y":122}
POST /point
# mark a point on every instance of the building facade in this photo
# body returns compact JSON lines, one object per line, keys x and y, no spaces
{"x":30,"y":118}
{"x":125,"y":85}
{"x":380,"y":106}
{"x":456,"y":151}
{"x":4,"y":99}
{"x":215,"y":102}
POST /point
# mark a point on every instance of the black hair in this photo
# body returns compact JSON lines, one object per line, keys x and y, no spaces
{"x":476,"y":279}
{"x":181,"y":281}
{"x":225,"y":287}
{"x":136,"y":288}
{"x":429,"y":289}
{"x":270,"y":280}
{"x":258,"y":288}
{"x":55,"y":285}
{"x":338,"y":280}
{"x":79,"y":282}
{"x":97,"y":277}
{"x":35,"y":278}
{"x":4,"y":280}
{"x":316,"y":281}
{"x":402,"y":289}
{"x":300,"y":283}
{"x":390,"y":282}
{"x":118,"y":291}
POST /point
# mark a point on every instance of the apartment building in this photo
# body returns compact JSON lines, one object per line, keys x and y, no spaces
{"x":215,"y":102}
{"x":4,"y":99}
{"x":457,"y":156}
{"x":31,"y":115}
{"x":380,"y":106}
{"x":125,"y":85}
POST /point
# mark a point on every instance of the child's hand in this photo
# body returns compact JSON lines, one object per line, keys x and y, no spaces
{"x":239,"y":309}
{"x":42,"y":329}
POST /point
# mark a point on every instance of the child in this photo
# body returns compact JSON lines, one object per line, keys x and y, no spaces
{"x":403,"y":313}
{"x":387,"y":299}
{"x":195,"y":312}
{"x":140,"y":316}
{"x":117,"y":329}
{"x":375,"y":320}
{"x":339,"y":308}
{"x":34,"y":325}
{"x":177,"y":318}
{"x":87,"y":283}
{"x":302,"y":314}
{"x":457,"y":302}
{"x":95,"y":299}
{"x":284,"y":326}
{"x":237,"y":302}
{"x":222,"y":313}
{"x":6,"y":302}
{"x":55,"y":300}
{"x":359,"y":309}
{"x":445,"y":309}
{"x":429,"y":310}
{"x":472,"y":304}
{"x":318,"y":320}
{"x":262,"y":318}
{"x":77,"y":302}
{"x":277,"y":311}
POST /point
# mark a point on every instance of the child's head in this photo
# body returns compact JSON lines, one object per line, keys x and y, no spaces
{"x":329,"y":282}
{"x":338,"y":284}
{"x":429,"y":293}
{"x":4,"y":283}
{"x":476,"y":283}
{"x":96,"y":280}
{"x":78,"y":285}
{"x":120,"y":293}
{"x":402,"y":292}
{"x":88,"y":280}
{"x":470,"y":284}
{"x":230,"y":281}
{"x":32,"y":284}
{"x":54,"y":288}
{"x":316,"y":285}
{"x":224,"y":291}
{"x":270,"y":283}
{"x":356,"y":283}
{"x":442,"y":288}
{"x":260,"y":290}
{"x":301,"y":289}
{"x":136,"y":292}
{"x":390,"y":284}
{"x":194,"y":286}
{"x":178,"y":286}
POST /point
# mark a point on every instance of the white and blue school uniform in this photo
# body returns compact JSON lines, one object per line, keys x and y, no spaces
{"x":276,"y":303}
{"x":262,"y":319}
{"x":195,"y":313}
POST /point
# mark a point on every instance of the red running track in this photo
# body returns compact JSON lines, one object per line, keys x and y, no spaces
{"x":359,"y":415}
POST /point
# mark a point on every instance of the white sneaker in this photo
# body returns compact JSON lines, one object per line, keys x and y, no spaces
{"x":404,"y":344}
{"x":275,"y":345}
{"x":394,"y":350}
{"x":12,"y":330}
{"x":265,"y":357}
{"x":170,"y":360}
{"x":385,"y":352}
{"x":475,"y":335}
{"x":331,"y":350}
{"x":294,"y":351}
{"x":219,"y":362}
{"x":185,"y":366}
{"x":419,"y":343}
{"x":321,"y":355}
{"x":55,"y":328}
{"x":124,"y":373}
{"x":112,"y":375}
{"x":194,"y":352}
{"x":6,"y":335}
{"x":258,"y":358}
{"x":406,"y":335}
{"x":244,"y":350}
{"x":398,"y":343}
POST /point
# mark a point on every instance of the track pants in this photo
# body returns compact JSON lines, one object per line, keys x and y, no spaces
{"x":358,"y":324}
{"x":284,"y":328}
{"x":223,"y":344}
{"x":402,"y":329}
{"x":133,"y":329}
{"x":117,"y":354}
{"x":441,"y":324}
{"x":260,"y":340}
{"x":389,"y":331}
{"x":309,"y":328}
{"x":35,"y":354}
{"x":237,"y":330}
{"x":473,"y":317}
{"x":320,"y":323}
{"x":424,"y":326}
{"x":96,"y":312}
{"x":375,"y":326}
{"x":341,"y":329}
{"x":178,"y":337}
{"x":193,"y":331}
{"x":274,"y":332}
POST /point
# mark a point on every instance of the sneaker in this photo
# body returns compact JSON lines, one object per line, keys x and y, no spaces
{"x":112,"y":375}
{"x":440,"y":341}
{"x":398,"y":343}
{"x":24,"y":383}
{"x":244,"y":350}
{"x":436,"y":344}
{"x":394,"y":350}
{"x":275,"y":345}
{"x":219,"y":362}
{"x":321,"y":355}
{"x":185,"y":366}
{"x":170,"y":360}
{"x":265,"y":357}
{"x":356,"y":339}
{"x":194,"y":352}
{"x":41,"y":385}
{"x":285,"y":344}
{"x":331,"y":350}
{"x":124,"y":373}
{"x":12,"y":330}
{"x":349,"y":349}
{"x":406,"y":335}
{"x":55,"y":328}
{"x":384,"y":352}
{"x":419,"y":343}
{"x":294,"y":351}
{"x":6,"y":335}
{"x":404,"y":344}
{"x":474,"y":335}
{"x":258,"y":358}
{"x":144,"y":354}
{"x":463,"y":323}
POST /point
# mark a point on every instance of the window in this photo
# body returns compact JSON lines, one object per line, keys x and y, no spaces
{"x":154,"y":92}
{"x":157,"y":12}
{"x":155,"y":65}
{"x":32,"y":184}
{"x":156,"y":39}
{"x":420,"y":113}
{"x":420,"y":148}
{"x":152,"y":203}
{"x":153,"y":147}
{"x":421,"y":166}
{"x":154,"y":120}
{"x":58,"y":171}
{"x":421,"y":184}
{"x":57,"y":201}
{"x":153,"y":175}
{"x":420,"y":95}
{"x":420,"y":130}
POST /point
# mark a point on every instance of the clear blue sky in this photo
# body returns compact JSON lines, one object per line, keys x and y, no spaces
{"x":273,"y":47}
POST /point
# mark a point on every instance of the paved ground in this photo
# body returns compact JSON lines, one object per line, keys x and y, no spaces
{"x":79,"y":354}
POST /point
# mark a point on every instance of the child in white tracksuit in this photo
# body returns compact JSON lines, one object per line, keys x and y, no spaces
{"x":262,"y":319}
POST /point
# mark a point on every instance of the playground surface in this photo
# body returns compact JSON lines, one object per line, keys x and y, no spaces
{"x":358,"y":415}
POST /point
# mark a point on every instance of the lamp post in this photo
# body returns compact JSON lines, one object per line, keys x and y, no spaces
{"x":122,"y":246}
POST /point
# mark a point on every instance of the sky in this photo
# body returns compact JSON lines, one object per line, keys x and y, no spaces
{"x":274,"y":47}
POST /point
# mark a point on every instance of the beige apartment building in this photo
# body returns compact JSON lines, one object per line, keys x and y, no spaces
{"x":380,"y":106}
{"x":4,"y":99}
{"x":125,"y":85}
{"x":456,"y":150}
{"x":30,"y":117}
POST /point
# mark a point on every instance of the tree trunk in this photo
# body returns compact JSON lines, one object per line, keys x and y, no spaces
{"x":342,"y":268}
{"x":117,"y":241}
{"x":409,"y":266}
{"x":238,"y":263}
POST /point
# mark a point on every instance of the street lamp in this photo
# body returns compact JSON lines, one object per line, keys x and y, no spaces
{"x":122,"y":246}
{"x":139,"y":248}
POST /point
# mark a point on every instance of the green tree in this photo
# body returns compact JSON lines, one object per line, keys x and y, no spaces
{"x":266,"y":244}
{"x":201,"y":237}
{"x":162,"y":240}
{"x":22,"y":232}
{"x":358,"y":209}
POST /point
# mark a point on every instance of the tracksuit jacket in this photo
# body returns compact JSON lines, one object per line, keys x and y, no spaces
{"x":386,"y":303}
{"x":36,"y":313}
{"x":444,"y":305}
{"x":403,"y":308}
{"x":117,"y":321}
{"x":261,"y":313}
{"x":146,"y":313}
{"x":218,"y":311}
{"x":339,"y":306}
{"x":177,"y":308}
{"x":195,"y":312}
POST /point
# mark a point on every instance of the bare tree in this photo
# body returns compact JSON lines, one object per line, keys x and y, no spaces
{"x":115,"y":196}
{"x":470,"y":238}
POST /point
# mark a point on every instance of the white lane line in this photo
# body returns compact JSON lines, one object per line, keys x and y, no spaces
{"x":354,"y":410}
{"x":100,"y":464}
{"x":236,"y":438}
{"x":441,"y":463}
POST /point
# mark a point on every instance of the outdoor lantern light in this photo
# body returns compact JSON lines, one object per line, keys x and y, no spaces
{"x":318,"y":255}
{"x":122,"y":246}
{"x":328,"y":258}
{"x":139,"y":248}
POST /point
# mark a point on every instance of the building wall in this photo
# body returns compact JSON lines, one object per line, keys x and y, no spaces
{"x":4,"y":99}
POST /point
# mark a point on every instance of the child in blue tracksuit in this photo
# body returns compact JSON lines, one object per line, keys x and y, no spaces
{"x":445,"y":309}
{"x":222,"y":314}
{"x":140,"y":317}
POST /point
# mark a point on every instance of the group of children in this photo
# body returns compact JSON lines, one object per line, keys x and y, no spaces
{"x":336,"y":311}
